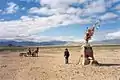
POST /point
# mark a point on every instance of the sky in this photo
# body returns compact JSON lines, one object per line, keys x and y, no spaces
{"x":66,"y":20}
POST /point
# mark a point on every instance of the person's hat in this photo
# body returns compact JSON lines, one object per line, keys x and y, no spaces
{"x":66,"y":49}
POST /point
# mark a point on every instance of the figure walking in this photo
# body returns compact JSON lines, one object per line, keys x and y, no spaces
{"x":66,"y":55}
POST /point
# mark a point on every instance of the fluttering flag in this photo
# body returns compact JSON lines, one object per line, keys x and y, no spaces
{"x":90,"y":31}
{"x":97,"y":24}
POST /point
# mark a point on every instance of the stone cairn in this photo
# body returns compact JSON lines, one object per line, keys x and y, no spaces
{"x":87,"y":55}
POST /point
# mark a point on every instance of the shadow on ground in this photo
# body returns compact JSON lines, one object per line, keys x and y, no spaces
{"x":42,"y":56}
{"x":108,"y":64}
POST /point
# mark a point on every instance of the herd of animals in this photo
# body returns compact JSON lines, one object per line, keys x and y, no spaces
{"x":30,"y":53}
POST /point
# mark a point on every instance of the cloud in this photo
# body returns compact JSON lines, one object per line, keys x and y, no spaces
{"x":2,"y":19}
{"x":0,"y":11}
{"x":95,"y":7}
{"x":57,"y":3}
{"x":113,"y":35}
{"x":49,"y":38}
{"x":23,"y":8}
{"x":31,"y":1}
{"x":55,"y":11}
{"x":115,"y":1}
{"x":109,"y":16}
{"x":69,"y":16}
{"x":26,"y":18}
{"x":117,"y":7}
{"x":25,"y":26}
{"x":50,"y":7}
{"x":43,"y":10}
{"x":61,"y":7}
{"x":109,"y":3}
{"x":59,"y":13}
{"x":30,"y":25}
{"x":37,"y":38}
{"x":12,"y":8}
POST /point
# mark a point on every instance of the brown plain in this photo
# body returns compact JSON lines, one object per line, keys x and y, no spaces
{"x":50,"y":65}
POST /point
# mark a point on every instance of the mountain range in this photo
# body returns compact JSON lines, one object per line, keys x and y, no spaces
{"x":107,"y":42}
{"x":50,"y":43}
{"x":30,"y":43}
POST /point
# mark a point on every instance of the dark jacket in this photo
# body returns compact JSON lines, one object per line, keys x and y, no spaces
{"x":66,"y":54}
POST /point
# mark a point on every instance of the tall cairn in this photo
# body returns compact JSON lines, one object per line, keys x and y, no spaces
{"x":87,"y":50}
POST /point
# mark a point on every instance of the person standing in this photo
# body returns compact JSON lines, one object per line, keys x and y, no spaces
{"x":29,"y":52}
{"x":66,"y":55}
{"x":37,"y":51}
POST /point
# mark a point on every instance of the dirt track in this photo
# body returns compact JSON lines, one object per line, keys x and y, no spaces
{"x":50,"y":66}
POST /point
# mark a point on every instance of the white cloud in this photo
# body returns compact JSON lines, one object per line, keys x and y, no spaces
{"x":23,"y":8}
{"x":113,"y":35}
{"x":117,"y":7}
{"x":95,"y":7}
{"x":55,"y":11}
{"x":31,"y":1}
{"x":0,"y":11}
{"x":43,"y":10}
{"x":60,"y":3}
{"x":52,"y":7}
{"x":49,"y":38}
{"x":115,"y":1}
{"x":109,"y":16}
{"x":57,"y":3}
{"x":60,"y":14}
{"x":74,"y":11}
{"x":31,"y":25}
{"x":37,"y":38}
{"x":2,"y":19}
{"x":12,"y":8}
{"x":110,"y":2}
{"x":26,"y":18}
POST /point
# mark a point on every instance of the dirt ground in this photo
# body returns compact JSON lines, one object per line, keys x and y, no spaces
{"x":50,"y":65}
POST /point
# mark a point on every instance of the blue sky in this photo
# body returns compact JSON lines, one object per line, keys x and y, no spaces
{"x":44,"y":20}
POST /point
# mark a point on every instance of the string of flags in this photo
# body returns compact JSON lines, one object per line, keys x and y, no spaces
{"x":90,"y":31}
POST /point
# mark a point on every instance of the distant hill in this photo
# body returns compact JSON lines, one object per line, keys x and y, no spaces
{"x":50,"y":43}
{"x":30,"y":43}
{"x":69,"y":43}
{"x":103,"y":42}
{"x":106,"y":42}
